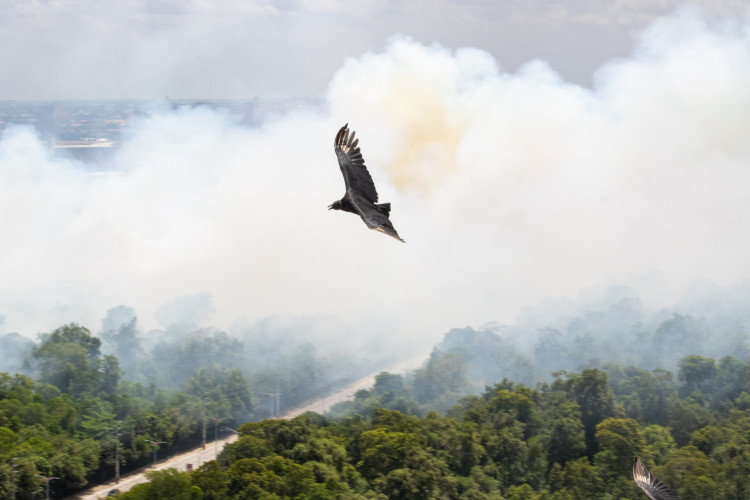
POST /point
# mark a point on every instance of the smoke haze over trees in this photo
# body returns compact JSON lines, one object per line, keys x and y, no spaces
{"x":588,"y":417}
{"x":528,"y":185}
{"x":313,"y":355}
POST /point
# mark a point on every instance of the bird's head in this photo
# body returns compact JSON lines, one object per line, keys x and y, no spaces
{"x":336,"y":205}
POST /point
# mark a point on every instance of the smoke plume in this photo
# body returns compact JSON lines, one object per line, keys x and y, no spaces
{"x":507,"y":186}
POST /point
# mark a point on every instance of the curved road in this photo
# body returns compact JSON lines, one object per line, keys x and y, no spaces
{"x":199,"y":456}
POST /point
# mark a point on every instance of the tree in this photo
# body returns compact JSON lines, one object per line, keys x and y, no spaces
{"x":384,"y":451}
{"x":387,"y":382}
{"x":424,"y":476}
{"x":181,"y":353}
{"x":582,"y":479}
{"x":564,"y":433}
{"x":517,"y":404}
{"x":444,"y":374}
{"x":162,"y":484}
{"x":110,"y":375}
{"x":320,"y":449}
{"x":621,"y":436}
{"x":275,"y":475}
{"x":685,"y":416}
{"x":226,"y":390}
{"x":212,"y":480}
{"x":245,"y":447}
{"x":69,"y":359}
{"x":644,"y":394}
{"x":594,"y":398}
{"x":689,"y":473}
{"x":619,"y":440}
{"x":697,"y":374}
{"x":732,"y":378}
{"x":121,"y":337}
{"x":281,"y":435}
{"x":659,"y":443}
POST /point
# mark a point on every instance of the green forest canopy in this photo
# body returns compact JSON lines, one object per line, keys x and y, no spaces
{"x":488,"y":416}
{"x":574,"y":437}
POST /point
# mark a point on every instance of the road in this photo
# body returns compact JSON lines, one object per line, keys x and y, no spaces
{"x":324,"y":404}
{"x":199,"y":456}
{"x":195,"y":457}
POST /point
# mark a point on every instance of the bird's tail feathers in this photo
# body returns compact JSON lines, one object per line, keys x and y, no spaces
{"x":384,"y":208}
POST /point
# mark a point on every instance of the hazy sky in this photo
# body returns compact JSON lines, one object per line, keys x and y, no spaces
{"x":514,"y":174}
{"x":61,"y":49}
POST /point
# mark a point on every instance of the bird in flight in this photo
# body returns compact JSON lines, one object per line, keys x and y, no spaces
{"x":360,"y":198}
{"x":652,"y":487}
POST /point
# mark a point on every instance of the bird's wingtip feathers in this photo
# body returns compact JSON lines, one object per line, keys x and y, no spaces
{"x":652,"y":487}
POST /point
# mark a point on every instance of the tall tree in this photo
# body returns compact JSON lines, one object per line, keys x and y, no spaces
{"x":697,"y":373}
{"x":595,"y":399}
{"x":69,"y":359}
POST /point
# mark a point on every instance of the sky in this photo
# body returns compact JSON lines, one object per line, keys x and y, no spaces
{"x":149,"y":49}
{"x":529,"y":150}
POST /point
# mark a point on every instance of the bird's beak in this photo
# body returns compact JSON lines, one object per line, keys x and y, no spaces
{"x":330,"y":207}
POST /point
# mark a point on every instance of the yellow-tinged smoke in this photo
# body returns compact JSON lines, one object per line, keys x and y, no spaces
{"x":410,"y":92}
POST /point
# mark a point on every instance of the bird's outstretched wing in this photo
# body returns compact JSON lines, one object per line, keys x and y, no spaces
{"x":652,"y":487}
{"x":358,"y":181}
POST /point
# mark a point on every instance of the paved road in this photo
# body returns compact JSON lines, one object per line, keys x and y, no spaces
{"x":199,"y":456}
{"x":322,"y":405}
{"x":195,"y":457}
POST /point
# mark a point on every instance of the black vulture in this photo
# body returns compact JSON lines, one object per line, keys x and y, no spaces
{"x":360,"y":198}
{"x":652,"y":487}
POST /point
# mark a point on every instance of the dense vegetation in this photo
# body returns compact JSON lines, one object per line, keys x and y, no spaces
{"x":574,"y":438}
{"x":555,"y":406}
{"x":66,"y":423}
{"x":67,"y":403}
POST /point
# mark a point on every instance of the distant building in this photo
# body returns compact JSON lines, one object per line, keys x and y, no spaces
{"x":87,"y":151}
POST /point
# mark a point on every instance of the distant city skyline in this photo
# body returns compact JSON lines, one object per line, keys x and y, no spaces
{"x":85,"y":129}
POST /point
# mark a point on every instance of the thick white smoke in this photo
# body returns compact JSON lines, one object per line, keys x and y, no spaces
{"x":507,"y":187}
